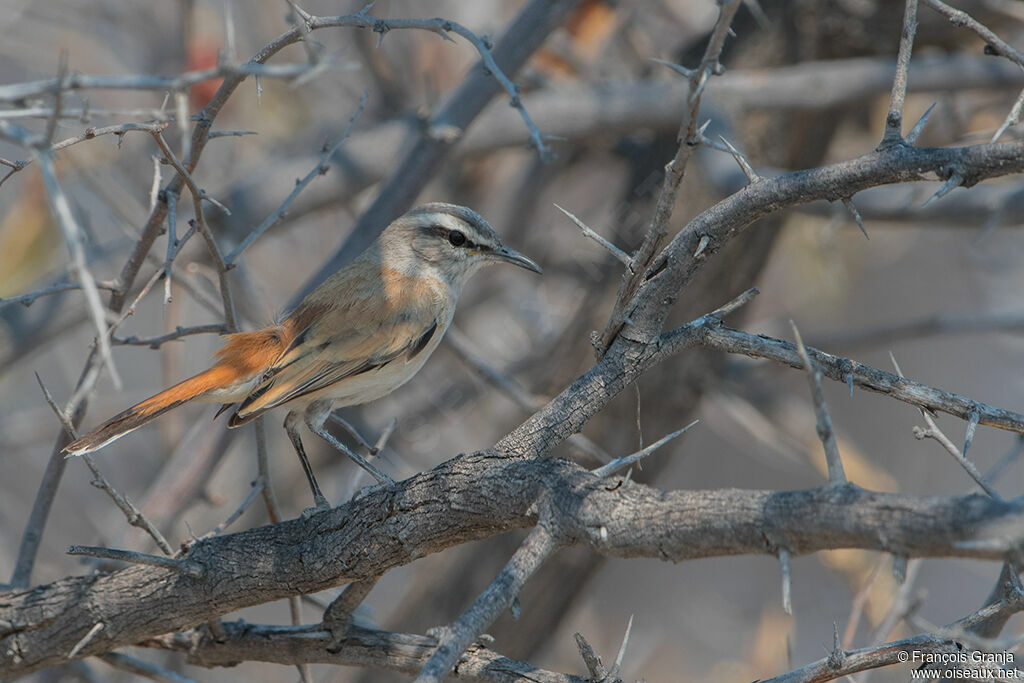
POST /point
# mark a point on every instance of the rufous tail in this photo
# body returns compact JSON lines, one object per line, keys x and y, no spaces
{"x":242,"y":358}
{"x":150,"y":409}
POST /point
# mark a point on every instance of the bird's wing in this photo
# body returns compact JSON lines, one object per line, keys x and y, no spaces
{"x":319,"y":357}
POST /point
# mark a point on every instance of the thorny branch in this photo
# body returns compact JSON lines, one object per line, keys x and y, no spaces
{"x":475,"y":496}
{"x":641,"y":268}
{"x":438,"y":509}
{"x":201,"y":134}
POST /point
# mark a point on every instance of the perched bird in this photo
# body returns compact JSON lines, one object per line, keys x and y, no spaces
{"x":357,"y":337}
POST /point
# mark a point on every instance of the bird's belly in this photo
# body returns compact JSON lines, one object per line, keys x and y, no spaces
{"x":371,"y":385}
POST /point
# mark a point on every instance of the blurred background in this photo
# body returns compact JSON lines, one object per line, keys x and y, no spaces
{"x":807,"y":83}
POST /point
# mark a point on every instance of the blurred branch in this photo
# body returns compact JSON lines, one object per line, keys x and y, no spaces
{"x":438,"y":137}
{"x":179,"y":332}
{"x":318,"y":170}
{"x":148,"y":670}
{"x":993,"y":43}
{"x":936,"y":324}
{"x":897,"y":652}
{"x":1004,"y":603}
{"x":30,"y":298}
{"x":361,"y":647}
{"x":581,"y":112}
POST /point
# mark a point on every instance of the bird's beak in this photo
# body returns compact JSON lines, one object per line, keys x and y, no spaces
{"x":515,"y":258}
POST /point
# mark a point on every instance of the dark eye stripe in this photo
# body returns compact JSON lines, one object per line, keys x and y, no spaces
{"x":462,"y":242}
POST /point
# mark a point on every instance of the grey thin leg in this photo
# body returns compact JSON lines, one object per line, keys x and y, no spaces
{"x":316,"y":415}
{"x":289,"y":426}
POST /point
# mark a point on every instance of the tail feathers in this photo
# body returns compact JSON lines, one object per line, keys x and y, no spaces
{"x":147,"y":411}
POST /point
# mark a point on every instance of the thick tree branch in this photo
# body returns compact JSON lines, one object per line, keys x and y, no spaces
{"x":676,"y":265}
{"x":472,"y":497}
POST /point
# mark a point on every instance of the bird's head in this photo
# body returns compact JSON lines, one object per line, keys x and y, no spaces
{"x":451,"y":240}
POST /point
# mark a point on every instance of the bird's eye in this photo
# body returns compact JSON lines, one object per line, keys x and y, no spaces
{"x":456,"y":238}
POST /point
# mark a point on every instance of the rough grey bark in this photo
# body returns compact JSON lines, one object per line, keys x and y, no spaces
{"x":472,"y":497}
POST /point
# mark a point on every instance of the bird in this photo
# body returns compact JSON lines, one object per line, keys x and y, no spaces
{"x":358,"y":336}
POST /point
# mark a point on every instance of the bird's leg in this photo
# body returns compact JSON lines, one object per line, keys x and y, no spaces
{"x":293,"y":434}
{"x":347,"y":426}
{"x":316,"y":415}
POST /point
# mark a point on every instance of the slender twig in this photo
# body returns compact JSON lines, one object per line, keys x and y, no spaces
{"x":132,"y":513}
{"x":230,"y":320}
{"x":858,"y":603}
{"x":498,"y":597}
{"x":385,"y":436}
{"x":255,"y":490}
{"x":75,"y":239}
{"x":173,"y":244}
{"x":904,"y":602}
{"x":839,"y":369}
{"x":188,"y":567}
{"x":58,"y":99}
{"x":84,"y":114}
{"x":263,"y":469}
{"x":230,"y":133}
{"x":643,"y":262}
{"x":894,"y":120}
{"x":826,"y":433}
{"x":994,"y":42}
{"x":934,"y":432}
{"x":30,"y":298}
{"x":320,"y":169}
{"x":179,"y":332}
